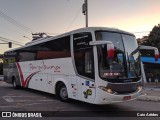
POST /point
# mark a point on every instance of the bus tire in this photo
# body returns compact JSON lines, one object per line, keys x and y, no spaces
{"x":62,"y":93}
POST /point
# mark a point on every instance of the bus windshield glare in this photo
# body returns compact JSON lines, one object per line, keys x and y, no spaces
{"x":125,"y":64}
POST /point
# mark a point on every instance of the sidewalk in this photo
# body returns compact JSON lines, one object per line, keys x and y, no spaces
{"x":150,"y":92}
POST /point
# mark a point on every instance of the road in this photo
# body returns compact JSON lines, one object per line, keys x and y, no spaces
{"x":24,"y":100}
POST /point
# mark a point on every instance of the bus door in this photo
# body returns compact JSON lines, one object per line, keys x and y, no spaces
{"x":84,"y":65}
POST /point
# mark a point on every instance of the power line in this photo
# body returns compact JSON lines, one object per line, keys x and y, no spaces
{"x":7,"y":18}
{"x":8,"y":40}
{"x":16,"y":23}
{"x":13,"y":30}
{"x":75,"y":17}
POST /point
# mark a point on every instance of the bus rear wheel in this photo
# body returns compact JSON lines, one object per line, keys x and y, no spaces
{"x":62,"y":93}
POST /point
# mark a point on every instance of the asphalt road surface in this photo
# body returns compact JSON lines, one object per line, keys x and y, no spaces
{"x":26,"y":100}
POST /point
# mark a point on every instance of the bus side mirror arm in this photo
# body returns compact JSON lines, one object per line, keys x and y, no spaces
{"x":156,"y":52}
{"x":110,"y":47}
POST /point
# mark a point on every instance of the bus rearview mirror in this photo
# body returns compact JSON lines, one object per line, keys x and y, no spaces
{"x":110,"y":51}
{"x":110,"y":47}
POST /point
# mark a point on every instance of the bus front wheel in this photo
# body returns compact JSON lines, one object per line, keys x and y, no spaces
{"x":62,"y":93}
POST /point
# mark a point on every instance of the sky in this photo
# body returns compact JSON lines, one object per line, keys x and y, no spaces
{"x":20,"y":18}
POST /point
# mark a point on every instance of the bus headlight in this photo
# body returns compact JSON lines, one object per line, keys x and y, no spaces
{"x":108,"y":90}
{"x":139,"y":88}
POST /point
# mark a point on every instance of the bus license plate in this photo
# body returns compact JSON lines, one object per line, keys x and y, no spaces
{"x":126,"y":97}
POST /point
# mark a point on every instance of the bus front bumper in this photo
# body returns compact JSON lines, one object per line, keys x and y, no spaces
{"x":102,"y":97}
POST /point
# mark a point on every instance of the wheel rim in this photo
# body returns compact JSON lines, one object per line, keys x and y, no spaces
{"x":63,"y":93}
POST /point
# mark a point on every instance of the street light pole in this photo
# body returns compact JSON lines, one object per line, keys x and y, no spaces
{"x":85,"y":10}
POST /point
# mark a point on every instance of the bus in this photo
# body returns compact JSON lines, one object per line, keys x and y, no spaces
{"x":96,"y":65}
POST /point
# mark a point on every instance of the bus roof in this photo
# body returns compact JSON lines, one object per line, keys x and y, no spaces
{"x":88,"y":29}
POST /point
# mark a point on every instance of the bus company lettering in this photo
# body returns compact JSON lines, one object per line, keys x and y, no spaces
{"x":43,"y":67}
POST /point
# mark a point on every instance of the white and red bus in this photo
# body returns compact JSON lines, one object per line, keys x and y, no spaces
{"x":95,"y":65}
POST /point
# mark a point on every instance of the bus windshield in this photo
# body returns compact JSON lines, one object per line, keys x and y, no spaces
{"x":126,"y":63}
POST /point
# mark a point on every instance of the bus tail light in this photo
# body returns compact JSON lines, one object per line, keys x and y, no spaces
{"x":156,"y":56}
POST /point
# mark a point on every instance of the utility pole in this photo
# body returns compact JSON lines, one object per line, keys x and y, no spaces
{"x":85,"y":10}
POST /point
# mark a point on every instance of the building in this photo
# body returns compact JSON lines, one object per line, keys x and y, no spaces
{"x":142,"y":40}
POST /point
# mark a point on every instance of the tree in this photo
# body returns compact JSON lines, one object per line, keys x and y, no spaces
{"x":154,"y":37}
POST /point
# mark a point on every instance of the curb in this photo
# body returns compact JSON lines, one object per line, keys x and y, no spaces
{"x":149,"y":98}
{"x":152,"y":88}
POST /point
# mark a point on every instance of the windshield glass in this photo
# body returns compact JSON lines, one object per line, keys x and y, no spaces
{"x":132,"y":55}
{"x":125,"y":63}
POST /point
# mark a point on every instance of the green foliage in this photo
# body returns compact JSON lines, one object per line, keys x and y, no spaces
{"x":154,"y":37}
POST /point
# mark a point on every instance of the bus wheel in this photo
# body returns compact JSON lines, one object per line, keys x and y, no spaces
{"x":63,"y":94}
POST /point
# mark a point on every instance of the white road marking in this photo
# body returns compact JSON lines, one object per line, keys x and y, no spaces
{"x":8,"y":99}
{"x":21,"y":105}
{"x":34,"y":100}
{"x":19,"y":96}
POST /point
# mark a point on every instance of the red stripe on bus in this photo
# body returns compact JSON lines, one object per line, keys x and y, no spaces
{"x":24,"y":82}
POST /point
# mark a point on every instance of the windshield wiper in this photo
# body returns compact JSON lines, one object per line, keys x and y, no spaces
{"x":132,"y":66}
{"x":128,"y":62}
{"x":135,"y":72}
